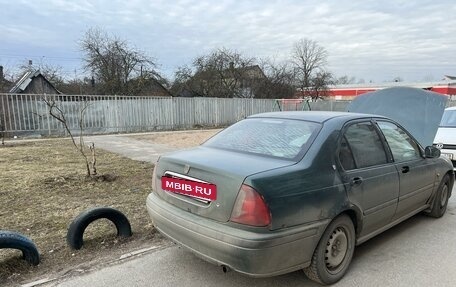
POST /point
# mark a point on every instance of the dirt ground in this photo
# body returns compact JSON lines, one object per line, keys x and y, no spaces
{"x":43,"y":188}
{"x":180,"y":139}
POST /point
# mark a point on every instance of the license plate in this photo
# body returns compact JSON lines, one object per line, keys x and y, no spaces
{"x":448,"y":155}
{"x":200,"y":190}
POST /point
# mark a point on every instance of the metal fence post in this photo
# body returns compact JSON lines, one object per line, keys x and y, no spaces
{"x":116,"y":114}
{"x":48,"y":114}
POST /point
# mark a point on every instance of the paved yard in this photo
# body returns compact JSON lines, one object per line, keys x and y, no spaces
{"x":148,"y":146}
{"x":418,"y":252}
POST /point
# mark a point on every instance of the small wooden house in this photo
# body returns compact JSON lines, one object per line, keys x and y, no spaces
{"x":33,"y":82}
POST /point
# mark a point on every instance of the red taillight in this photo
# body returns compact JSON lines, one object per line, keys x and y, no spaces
{"x":250,"y":208}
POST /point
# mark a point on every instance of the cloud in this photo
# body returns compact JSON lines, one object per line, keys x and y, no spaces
{"x":366,"y":39}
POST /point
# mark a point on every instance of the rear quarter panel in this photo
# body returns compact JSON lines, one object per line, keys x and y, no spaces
{"x":308,"y":191}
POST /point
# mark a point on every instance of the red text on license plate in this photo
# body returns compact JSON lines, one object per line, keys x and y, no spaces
{"x":201,"y":190}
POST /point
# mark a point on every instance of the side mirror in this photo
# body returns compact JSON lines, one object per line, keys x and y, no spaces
{"x":431,"y":152}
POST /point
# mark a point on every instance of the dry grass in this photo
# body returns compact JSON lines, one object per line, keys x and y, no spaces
{"x":43,"y":187}
{"x":179,"y":139}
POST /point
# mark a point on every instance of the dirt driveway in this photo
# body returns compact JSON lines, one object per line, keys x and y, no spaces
{"x":149,"y":146}
{"x":178,"y":140}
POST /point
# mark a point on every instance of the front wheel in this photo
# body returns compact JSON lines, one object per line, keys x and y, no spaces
{"x":334,"y":252}
{"x":442,"y":195}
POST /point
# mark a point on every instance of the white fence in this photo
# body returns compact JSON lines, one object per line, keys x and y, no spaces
{"x":24,"y":115}
{"x":29,"y":114}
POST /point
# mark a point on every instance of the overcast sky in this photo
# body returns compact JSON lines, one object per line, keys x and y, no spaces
{"x":373,"y":40}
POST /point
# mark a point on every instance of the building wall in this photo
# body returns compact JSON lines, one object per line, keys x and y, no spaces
{"x":349,"y":93}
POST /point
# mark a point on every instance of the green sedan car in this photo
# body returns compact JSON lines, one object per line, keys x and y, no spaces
{"x":283,"y":191}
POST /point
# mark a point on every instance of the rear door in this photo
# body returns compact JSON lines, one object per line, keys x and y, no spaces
{"x":371,"y":180}
{"x":415,"y":172}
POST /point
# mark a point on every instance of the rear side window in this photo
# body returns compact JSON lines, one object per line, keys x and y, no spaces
{"x":267,"y":136}
{"x":363,"y":142}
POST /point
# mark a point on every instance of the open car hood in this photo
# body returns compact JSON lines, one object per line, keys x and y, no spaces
{"x":417,"y":110}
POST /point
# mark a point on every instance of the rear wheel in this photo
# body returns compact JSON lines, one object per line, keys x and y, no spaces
{"x":334,"y":252}
{"x":440,"y":203}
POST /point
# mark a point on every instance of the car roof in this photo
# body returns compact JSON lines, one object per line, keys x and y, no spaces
{"x":314,"y":116}
{"x":450,"y":109}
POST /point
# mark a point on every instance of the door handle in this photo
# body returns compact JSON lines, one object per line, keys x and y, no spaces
{"x":405,"y":169}
{"x":356,"y":181}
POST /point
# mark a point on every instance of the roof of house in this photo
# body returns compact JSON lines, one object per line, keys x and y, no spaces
{"x":155,"y":82}
{"x":421,"y":85}
{"x":26,"y":79}
{"x":448,"y":77}
{"x":151,"y":84}
{"x":252,"y":68}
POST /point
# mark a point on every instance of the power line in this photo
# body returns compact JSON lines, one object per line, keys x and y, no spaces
{"x":41,"y":57}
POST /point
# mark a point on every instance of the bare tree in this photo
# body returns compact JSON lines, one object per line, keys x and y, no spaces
{"x":319,"y":85}
{"x":57,"y":113}
{"x":79,"y":86}
{"x":184,"y":84}
{"x":309,"y":60}
{"x":345,"y":80}
{"x":222,"y":73}
{"x":279,"y":80}
{"x":115,"y":63}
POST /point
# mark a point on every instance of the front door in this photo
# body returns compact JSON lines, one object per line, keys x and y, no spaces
{"x":416,"y":180}
{"x":371,"y":180}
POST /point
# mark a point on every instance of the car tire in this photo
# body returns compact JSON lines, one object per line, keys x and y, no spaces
{"x":14,"y":240}
{"x":442,"y":195}
{"x":333,"y":253}
{"x":80,"y":223}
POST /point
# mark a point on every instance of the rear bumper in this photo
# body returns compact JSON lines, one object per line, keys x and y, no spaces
{"x":259,"y":254}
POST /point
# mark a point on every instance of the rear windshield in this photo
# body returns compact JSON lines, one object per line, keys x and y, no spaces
{"x":448,"y":119}
{"x":271,"y":137}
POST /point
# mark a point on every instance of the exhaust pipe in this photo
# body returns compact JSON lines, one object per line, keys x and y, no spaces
{"x":225,"y":269}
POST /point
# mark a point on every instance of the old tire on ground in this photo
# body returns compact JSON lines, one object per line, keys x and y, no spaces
{"x":14,"y":240}
{"x":442,"y":195}
{"x":80,"y":223}
{"x":334,"y":252}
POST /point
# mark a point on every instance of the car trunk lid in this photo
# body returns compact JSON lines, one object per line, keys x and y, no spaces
{"x":222,"y":168}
